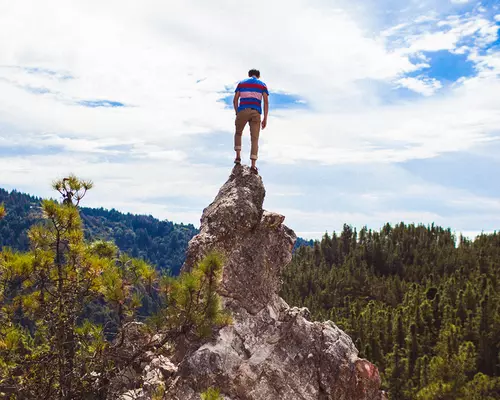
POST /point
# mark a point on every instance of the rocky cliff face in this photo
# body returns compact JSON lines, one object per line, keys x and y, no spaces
{"x":271,"y":351}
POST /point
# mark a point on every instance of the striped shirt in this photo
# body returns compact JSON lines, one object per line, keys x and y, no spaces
{"x":251,"y":92}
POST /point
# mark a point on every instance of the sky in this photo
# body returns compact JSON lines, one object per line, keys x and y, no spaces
{"x":380,"y":110}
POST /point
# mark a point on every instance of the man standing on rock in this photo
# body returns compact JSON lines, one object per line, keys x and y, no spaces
{"x":247,"y":104}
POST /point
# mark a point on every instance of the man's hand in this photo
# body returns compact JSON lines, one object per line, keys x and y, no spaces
{"x":264,"y":123}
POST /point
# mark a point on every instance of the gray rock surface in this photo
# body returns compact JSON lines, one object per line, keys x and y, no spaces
{"x":257,"y":245}
{"x":271,"y":351}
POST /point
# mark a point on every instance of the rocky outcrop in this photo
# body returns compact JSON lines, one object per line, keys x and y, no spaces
{"x":257,"y":244}
{"x":270,"y":351}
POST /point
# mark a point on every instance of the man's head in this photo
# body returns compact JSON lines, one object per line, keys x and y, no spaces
{"x":254,"y":72}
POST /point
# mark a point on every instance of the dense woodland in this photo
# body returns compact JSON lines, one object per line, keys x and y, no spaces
{"x":51,"y":348}
{"x":421,"y":304}
{"x":162,"y":243}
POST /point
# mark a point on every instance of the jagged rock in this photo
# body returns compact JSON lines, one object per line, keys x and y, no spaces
{"x":271,"y":351}
{"x":147,"y":372}
{"x":134,"y":394}
{"x":124,"y":347}
{"x":156,"y":373}
{"x":255,"y":241}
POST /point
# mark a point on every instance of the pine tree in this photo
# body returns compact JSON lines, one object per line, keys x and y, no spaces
{"x":417,"y":288}
{"x":413,"y":350}
{"x":400,"y":333}
{"x":48,"y":348}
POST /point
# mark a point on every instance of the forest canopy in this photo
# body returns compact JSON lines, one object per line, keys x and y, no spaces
{"x":78,"y":316}
{"x":420,"y":303}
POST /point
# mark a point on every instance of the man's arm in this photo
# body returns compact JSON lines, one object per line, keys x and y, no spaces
{"x":266,"y":110}
{"x":235,"y":101}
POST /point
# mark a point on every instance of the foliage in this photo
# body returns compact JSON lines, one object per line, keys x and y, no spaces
{"x":193,"y":302}
{"x":48,"y":349}
{"x":158,"y":393}
{"x":211,"y":394}
{"x":421,"y":304}
{"x":72,"y":189}
{"x":161,"y":243}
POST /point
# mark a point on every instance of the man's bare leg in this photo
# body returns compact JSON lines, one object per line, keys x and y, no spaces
{"x":237,"y":160}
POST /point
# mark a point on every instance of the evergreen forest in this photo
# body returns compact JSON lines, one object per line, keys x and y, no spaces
{"x":420,"y":303}
{"x":161,"y":243}
{"x":52,"y":347}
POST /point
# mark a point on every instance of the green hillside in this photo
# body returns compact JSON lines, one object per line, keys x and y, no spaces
{"x":421,"y":304}
{"x":162,"y":243}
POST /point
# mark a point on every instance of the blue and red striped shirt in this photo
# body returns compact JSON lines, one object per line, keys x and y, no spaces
{"x":251,"y":92}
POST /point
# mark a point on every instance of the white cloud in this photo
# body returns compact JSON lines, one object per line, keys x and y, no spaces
{"x":169,"y":63}
{"x":434,"y":41}
{"x":424,"y":86}
{"x":453,"y":122}
{"x":447,"y":34}
{"x":488,"y":65}
{"x":455,"y":208}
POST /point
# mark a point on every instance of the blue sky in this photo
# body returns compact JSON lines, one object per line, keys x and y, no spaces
{"x":381,"y":111}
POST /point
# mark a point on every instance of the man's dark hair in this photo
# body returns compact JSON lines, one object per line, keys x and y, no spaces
{"x":254,"y":72}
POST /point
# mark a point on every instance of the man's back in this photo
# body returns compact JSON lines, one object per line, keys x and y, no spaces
{"x":251,"y":92}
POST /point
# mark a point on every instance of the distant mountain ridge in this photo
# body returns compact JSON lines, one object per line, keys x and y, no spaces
{"x":161,"y":242}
